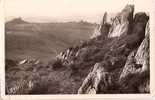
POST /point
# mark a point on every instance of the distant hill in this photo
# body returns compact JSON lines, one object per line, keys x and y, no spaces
{"x":16,"y":21}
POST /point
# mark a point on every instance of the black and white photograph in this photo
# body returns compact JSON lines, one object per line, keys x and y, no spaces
{"x":77,"y":47}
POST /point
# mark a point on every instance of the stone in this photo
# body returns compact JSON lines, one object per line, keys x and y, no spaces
{"x":136,"y":70}
{"x":122,"y":22}
{"x":102,"y":29}
{"x":98,"y":75}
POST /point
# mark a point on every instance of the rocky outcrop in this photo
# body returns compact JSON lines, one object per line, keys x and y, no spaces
{"x":117,"y":26}
{"x":137,"y":65}
{"x":103,"y":28}
{"x":114,"y":27}
{"x":138,"y":30}
{"x":97,"y":76}
{"x":138,"y":60}
{"x":67,"y":57}
{"x":133,"y":75}
{"x":122,"y":22}
{"x":29,"y":61}
{"x":126,"y":57}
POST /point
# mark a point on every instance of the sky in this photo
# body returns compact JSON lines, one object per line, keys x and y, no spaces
{"x":67,"y":10}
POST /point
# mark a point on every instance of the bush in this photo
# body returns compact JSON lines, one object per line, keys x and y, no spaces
{"x":57,"y":65}
{"x":10,"y":63}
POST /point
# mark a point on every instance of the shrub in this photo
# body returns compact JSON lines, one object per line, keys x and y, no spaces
{"x":57,"y":65}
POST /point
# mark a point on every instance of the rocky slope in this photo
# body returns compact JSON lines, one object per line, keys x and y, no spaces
{"x":119,"y":50}
{"x":113,"y":60}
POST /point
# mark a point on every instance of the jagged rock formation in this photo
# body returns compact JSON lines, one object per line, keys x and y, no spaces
{"x":137,"y":64}
{"x":134,"y":77}
{"x":123,"y":57}
{"x":97,"y":76}
{"x":68,"y":56}
{"x":103,"y":28}
{"x":118,"y":25}
{"x":122,"y":22}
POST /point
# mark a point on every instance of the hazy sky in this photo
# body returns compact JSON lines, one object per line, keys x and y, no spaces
{"x":67,"y":10}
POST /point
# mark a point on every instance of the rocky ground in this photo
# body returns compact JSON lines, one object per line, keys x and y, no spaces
{"x":114,"y":60}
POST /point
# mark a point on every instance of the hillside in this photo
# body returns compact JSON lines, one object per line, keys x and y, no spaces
{"x":114,"y":60}
{"x":43,"y":40}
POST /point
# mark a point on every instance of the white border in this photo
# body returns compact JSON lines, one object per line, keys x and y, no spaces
{"x":80,"y":97}
{"x":2,"y":47}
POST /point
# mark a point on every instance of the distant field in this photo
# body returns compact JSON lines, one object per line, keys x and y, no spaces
{"x":43,"y":40}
